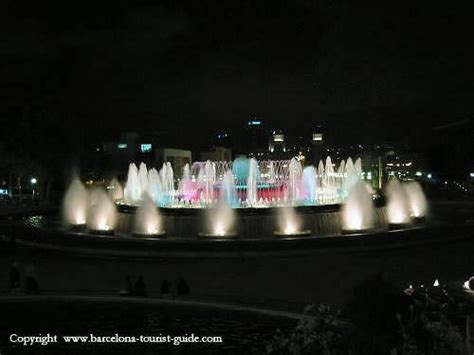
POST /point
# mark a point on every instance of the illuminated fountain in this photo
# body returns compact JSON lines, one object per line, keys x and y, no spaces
{"x":133,"y":190}
{"x":290,"y":223}
{"x":75,"y":204}
{"x":398,"y":208}
{"x":358,"y":211}
{"x":154,"y":191}
{"x":185,"y":186}
{"x":257,"y":183}
{"x":252,"y":181}
{"x":206,"y":181}
{"x":221,"y":186}
{"x":416,"y":200}
{"x":147,"y":219}
{"x":143,"y":178}
{"x":220,"y":221}
{"x":101,"y":216}
{"x":115,"y":190}
{"x":310,"y":185}
{"x":228,"y":189}
{"x":351,"y":175}
{"x":296,"y":196}
{"x":221,"y":218}
{"x":166,"y":175}
{"x":295,"y":173}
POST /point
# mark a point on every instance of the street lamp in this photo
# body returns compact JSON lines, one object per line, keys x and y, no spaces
{"x":33,"y":182}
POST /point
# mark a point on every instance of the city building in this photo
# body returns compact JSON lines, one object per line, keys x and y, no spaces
{"x":277,"y":144}
{"x":317,"y":144}
{"x":255,"y":139}
{"x":115,"y":156}
{"x":217,"y":154}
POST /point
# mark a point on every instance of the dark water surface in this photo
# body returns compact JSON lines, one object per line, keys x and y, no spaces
{"x":241,"y":332}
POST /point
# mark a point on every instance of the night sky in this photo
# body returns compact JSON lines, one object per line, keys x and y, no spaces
{"x":367,"y":70}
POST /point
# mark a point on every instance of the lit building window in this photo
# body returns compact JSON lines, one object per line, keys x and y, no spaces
{"x":317,"y":137}
{"x":255,"y":123}
{"x":278,"y":138}
{"x":145,"y":147}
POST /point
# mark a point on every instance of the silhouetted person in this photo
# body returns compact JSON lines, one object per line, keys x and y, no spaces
{"x":139,"y":287}
{"x":183,"y":288}
{"x":127,"y":287}
{"x":14,"y":278}
{"x":165,"y":289}
{"x":31,"y":281}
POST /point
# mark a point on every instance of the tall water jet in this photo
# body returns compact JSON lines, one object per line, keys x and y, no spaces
{"x":310,"y":184}
{"x":240,"y":169}
{"x":290,"y":223}
{"x":185,"y":187}
{"x":321,"y":171}
{"x":132,"y":191}
{"x":220,"y":221}
{"x":76,"y":203}
{"x":143,"y":178}
{"x":228,"y":192}
{"x":115,"y":190}
{"x":252,"y":182}
{"x":328,"y":183}
{"x":416,"y":199}
{"x":208,"y":181}
{"x":147,"y":219}
{"x":398,"y":209}
{"x":329,"y":176}
{"x":271,"y":173}
{"x":294,"y":180}
{"x":154,"y":190}
{"x":101,"y":216}
{"x":341,"y":171}
{"x":166,"y":175}
{"x":258,"y":184}
{"x":169,"y":181}
{"x":186,"y":176}
{"x":351,"y":176}
{"x":358,"y":210}
{"x":358,"y":167}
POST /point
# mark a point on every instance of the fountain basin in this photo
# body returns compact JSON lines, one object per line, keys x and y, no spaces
{"x":161,"y":234}
{"x":419,"y":220}
{"x":301,"y":233}
{"x":107,"y":232}
{"x":357,"y":231}
{"x":209,"y":235}
{"x":77,"y":227}
{"x":397,"y":226}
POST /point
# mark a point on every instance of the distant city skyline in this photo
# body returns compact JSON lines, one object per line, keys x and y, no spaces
{"x":367,"y":71}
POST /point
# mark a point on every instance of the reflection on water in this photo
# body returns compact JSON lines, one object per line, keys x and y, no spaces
{"x":240,"y":331}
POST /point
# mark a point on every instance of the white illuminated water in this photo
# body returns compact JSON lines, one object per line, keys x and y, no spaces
{"x":220,"y":187}
{"x":256,"y":183}
{"x":147,"y":219}
{"x":76,"y":203}
{"x":398,"y":207}
{"x":102,"y":213}
{"x":358,"y":212}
